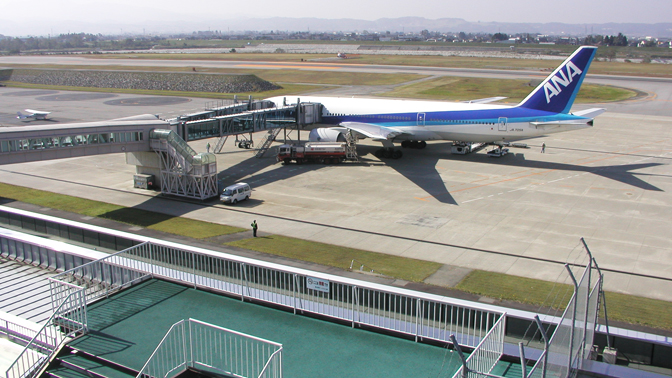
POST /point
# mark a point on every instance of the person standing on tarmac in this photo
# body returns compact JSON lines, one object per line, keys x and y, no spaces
{"x":543,"y":148}
{"x":254,"y":228}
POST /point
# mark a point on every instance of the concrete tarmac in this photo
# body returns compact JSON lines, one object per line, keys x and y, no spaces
{"x":523,"y":214}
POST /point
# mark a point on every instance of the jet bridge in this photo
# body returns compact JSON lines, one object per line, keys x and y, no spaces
{"x":246,"y":118}
{"x":158,"y":147}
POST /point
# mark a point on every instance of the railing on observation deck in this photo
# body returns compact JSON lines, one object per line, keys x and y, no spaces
{"x":485,"y":356}
{"x":69,"y":319}
{"x":206,"y":347}
{"x":357,"y":302}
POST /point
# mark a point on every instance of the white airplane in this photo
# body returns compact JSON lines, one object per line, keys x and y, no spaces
{"x":34,"y":114}
{"x":545,"y":110}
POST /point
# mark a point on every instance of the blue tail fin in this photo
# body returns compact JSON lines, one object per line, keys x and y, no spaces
{"x":558,"y":91}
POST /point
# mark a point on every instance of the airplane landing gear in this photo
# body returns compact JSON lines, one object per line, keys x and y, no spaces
{"x":388,"y":153}
{"x":418,"y":145}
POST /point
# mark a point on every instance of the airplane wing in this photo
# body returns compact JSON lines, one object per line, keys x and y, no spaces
{"x":38,"y":112}
{"x":484,"y":100}
{"x":372,"y":131}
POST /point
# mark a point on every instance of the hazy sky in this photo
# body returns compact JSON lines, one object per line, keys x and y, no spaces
{"x":41,"y":17}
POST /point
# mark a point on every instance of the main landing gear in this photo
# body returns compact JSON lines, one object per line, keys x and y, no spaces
{"x":388,"y":153}
{"x":392,"y":153}
{"x":418,"y":145}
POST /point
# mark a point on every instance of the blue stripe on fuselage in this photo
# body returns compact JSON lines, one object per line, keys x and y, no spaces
{"x":463,"y":117}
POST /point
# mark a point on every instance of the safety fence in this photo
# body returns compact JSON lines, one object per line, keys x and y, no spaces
{"x":354,"y":301}
{"x":68,"y":320}
{"x":485,"y":356}
{"x":572,"y":340}
{"x":194,"y":344}
{"x":97,"y":278}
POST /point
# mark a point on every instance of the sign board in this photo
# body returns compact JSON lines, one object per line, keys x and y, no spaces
{"x":317,"y":284}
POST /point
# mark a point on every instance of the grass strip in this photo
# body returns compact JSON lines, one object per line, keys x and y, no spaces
{"x":341,"y":257}
{"x":137,"y":217}
{"x":544,"y":66}
{"x":620,"y":307}
{"x":465,"y":89}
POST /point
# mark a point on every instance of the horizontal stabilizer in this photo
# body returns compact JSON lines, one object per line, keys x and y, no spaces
{"x":485,"y":100}
{"x":590,"y":113}
{"x":372,"y":131}
{"x":555,"y":124}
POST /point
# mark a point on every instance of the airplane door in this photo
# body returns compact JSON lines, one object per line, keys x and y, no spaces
{"x":421,"y":119}
{"x":502,"y":123}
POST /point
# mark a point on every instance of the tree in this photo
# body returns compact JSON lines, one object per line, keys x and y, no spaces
{"x":500,"y":37}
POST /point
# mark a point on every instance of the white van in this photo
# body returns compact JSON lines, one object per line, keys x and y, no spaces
{"x":236,"y":192}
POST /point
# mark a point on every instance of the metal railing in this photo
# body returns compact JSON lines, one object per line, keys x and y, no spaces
{"x":99,"y":278}
{"x":195,"y":344}
{"x":357,"y":302}
{"x":68,"y":320}
{"x":572,"y":340}
{"x":20,"y":333}
{"x":487,"y":353}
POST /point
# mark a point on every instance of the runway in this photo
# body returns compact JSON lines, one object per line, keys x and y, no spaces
{"x":523,"y":214}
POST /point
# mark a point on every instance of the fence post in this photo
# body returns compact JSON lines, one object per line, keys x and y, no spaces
{"x":545,"y":337}
{"x":571,"y":334}
{"x":523,"y":361}
{"x":243,"y":280}
{"x":465,"y":369}
{"x":295,"y":291}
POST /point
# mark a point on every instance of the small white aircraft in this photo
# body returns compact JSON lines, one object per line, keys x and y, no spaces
{"x":34,"y":114}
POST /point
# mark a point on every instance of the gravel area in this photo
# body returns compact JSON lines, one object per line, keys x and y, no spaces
{"x":186,"y":82}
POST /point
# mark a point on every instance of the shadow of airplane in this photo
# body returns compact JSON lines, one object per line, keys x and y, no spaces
{"x":419,"y":167}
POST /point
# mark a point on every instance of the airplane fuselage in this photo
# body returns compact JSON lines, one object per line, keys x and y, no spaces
{"x":436,"y":120}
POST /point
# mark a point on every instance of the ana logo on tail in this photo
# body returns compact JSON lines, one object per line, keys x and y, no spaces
{"x":552,"y":87}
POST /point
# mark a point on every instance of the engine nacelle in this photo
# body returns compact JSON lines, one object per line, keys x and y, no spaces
{"x":331,"y":134}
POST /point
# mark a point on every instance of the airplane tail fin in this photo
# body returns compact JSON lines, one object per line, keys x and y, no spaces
{"x":21,"y":116}
{"x":558,"y":91}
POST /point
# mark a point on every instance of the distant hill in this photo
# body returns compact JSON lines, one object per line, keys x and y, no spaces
{"x":312,"y":24}
{"x":455,"y":25}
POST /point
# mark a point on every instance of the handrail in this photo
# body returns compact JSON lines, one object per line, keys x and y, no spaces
{"x":158,"y":347}
{"x":182,"y":348}
{"x":482,"y":356}
{"x":268,"y":363}
{"x":182,"y":147}
{"x":27,"y":363}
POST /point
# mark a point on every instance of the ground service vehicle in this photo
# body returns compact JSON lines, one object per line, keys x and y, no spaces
{"x":236,"y":192}
{"x":313,"y":152}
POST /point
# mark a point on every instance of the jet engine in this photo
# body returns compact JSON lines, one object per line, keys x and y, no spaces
{"x":331,"y":134}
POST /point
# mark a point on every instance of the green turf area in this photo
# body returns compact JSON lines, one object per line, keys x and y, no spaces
{"x":620,"y":307}
{"x":544,"y":66}
{"x":465,"y":89}
{"x":137,"y":217}
{"x":126,"y":328}
{"x":341,"y":257}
